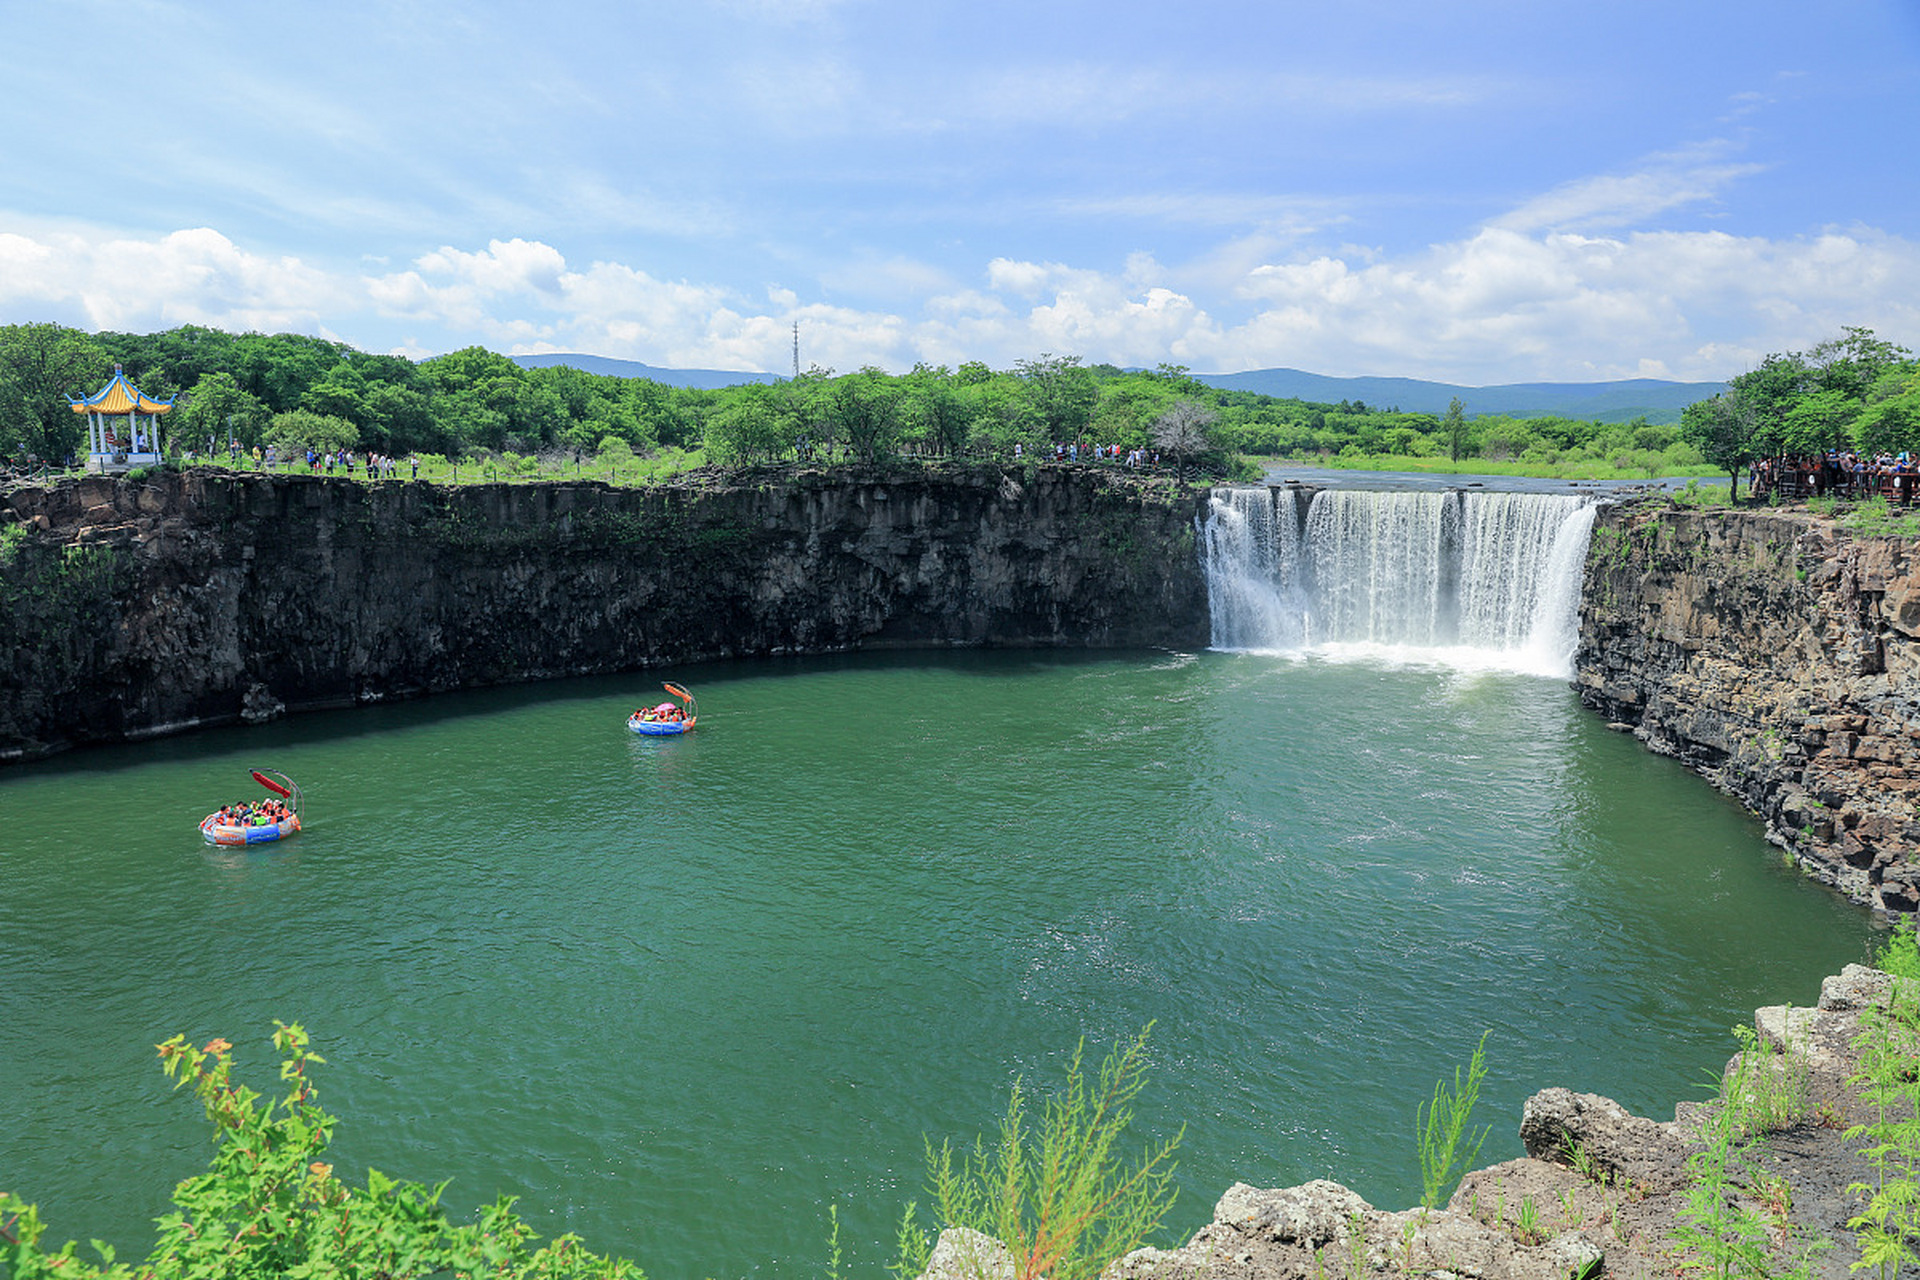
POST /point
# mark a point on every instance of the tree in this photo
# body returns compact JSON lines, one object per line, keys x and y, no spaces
{"x":748,"y":428}
{"x":941,"y":409}
{"x":40,"y":366}
{"x":1818,"y":422}
{"x":1851,"y":363}
{"x":217,"y":405}
{"x":1767,"y":394}
{"x":302,"y":429}
{"x":1184,"y":430}
{"x":1061,"y":392}
{"x":341,"y":393}
{"x":280,"y":368}
{"x":1455,"y":426}
{"x":807,"y":403}
{"x":400,"y":420}
{"x":865,"y":407}
{"x":1723,"y":430}
{"x":1891,"y":424}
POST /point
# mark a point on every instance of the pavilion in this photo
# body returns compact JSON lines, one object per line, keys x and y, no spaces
{"x":116,"y":440}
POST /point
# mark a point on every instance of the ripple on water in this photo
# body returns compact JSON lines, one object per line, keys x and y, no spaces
{"x":658,"y":987}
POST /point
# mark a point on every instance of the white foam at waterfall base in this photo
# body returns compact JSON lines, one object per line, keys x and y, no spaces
{"x":1463,"y":581}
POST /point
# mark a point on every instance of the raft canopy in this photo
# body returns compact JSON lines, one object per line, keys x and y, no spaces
{"x":281,"y":785}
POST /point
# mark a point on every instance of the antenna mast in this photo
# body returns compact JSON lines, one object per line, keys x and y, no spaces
{"x":796,"y":350}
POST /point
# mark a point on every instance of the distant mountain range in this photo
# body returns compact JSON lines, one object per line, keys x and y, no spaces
{"x":1619,"y":401}
{"x":701,"y":379}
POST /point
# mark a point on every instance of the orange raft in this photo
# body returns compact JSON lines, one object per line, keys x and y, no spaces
{"x":260,"y":824}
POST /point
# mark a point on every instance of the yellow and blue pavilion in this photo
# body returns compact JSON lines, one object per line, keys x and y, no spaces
{"x":123,"y":425}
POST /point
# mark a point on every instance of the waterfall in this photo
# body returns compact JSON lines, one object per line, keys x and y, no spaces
{"x":1473,"y":579}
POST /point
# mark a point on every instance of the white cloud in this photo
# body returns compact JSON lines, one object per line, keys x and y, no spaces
{"x":1503,"y":304}
{"x":504,"y":266}
{"x":192,"y":276}
{"x":1623,"y":200}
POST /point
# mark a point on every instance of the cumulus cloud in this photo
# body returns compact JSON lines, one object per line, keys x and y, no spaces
{"x":191,"y":276}
{"x":1509,"y":302}
{"x":1504,"y":306}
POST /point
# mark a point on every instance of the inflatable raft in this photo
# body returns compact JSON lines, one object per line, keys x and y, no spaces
{"x":667,"y":717}
{"x":218,"y":832}
{"x":224,"y":827}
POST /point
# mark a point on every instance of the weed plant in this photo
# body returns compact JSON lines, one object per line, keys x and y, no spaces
{"x":1888,"y":1228}
{"x":1900,"y":954}
{"x":1873,"y":517}
{"x":1442,"y":1129}
{"x":1724,"y":1233}
{"x":1700,"y":496}
{"x":1058,"y":1194}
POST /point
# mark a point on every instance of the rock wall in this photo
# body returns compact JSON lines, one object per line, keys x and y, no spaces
{"x":129,"y":609}
{"x":1600,"y":1192}
{"x":1780,"y":657}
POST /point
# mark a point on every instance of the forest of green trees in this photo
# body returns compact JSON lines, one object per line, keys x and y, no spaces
{"x":1856,"y":393}
{"x":295,"y":391}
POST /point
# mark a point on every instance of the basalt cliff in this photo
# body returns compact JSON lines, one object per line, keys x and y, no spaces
{"x":1780,"y":656}
{"x":135,"y":608}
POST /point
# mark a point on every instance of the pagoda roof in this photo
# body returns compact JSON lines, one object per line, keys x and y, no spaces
{"x":121,"y":396}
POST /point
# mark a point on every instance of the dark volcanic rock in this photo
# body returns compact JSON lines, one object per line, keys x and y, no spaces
{"x":207,"y":597}
{"x":1780,"y":657}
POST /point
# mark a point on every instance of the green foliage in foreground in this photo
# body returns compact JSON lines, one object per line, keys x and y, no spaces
{"x":1733,"y":1224}
{"x":1058,"y":1195}
{"x":1443,"y":1129}
{"x":270,"y":1206}
{"x":1888,"y":1228}
{"x":1900,"y":956}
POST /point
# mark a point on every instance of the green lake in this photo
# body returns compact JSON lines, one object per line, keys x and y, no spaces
{"x":684,"y":994}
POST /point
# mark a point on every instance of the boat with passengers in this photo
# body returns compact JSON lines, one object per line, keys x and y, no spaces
{"x":257,"y":822}
{"x":666,"y":718}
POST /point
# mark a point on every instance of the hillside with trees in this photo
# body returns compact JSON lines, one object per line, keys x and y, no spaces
{"x":292,"y":391}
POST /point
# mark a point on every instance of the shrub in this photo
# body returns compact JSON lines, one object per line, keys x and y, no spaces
{"x":270,"y":1206}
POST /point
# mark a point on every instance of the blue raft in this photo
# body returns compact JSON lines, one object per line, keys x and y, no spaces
{"x":667,"y":718}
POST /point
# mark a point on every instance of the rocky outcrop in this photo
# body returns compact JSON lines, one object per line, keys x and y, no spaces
{"x":1780,"y":657}
{"x":129,"y":609}
{"x":1600,"y":1191}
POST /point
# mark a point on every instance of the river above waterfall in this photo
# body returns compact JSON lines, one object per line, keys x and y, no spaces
{"x":682,"y":995}
{"x":1284,"y":473}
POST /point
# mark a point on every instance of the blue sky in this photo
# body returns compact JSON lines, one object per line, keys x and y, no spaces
{"x":1475,"y":192}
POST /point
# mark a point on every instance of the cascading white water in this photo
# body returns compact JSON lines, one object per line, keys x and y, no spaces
{"x":1254,"y":579}
{"x":1478,"y":579}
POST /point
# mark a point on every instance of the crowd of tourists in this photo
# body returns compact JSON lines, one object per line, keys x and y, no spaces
{"x":1074,"y":451}
{"x":376,"y":466}
{"x":1839,"y":473}
{"x":266,"y":813}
